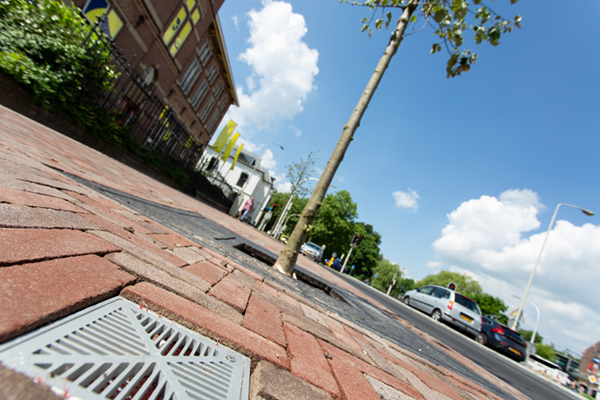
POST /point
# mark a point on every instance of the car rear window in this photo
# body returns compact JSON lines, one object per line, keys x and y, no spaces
{"x":514,"y":336}
{"x":467,"y":303}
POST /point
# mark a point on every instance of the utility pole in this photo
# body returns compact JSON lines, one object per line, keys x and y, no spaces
{"x":393,"y":281}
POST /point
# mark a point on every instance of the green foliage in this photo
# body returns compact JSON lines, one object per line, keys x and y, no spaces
{"x":545,"y":351}
{"x":464,"y":283}
{"x":528,"y":334}
{"x":405,"y":285}
{"x":450,"y":20}
{"x":491,"y":305}
{"x":41,"y":46}
{"x":299,"y":172}
{"x":50,"y":48}
{"x":387,"y":272}
{"x":334,"y":225}
{"x":366,"y":256}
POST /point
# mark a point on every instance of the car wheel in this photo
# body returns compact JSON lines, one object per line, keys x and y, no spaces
{"x":482,"y":338}
{"x":436,"y":315}
{"x":406,"y":300}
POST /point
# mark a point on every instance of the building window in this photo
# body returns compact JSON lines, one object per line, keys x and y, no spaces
{"x":204,"y":53}
{"x":223,"y":103}
{"x":212,"y":73}
{"x":219,"y":89}
{"x":207,"y":109}
{"x":190,"y":76}
{"x":242,"y":180}
{"x":216,"y":117}
{"x":200,"y":94}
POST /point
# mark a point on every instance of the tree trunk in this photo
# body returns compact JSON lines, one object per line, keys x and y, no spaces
{"x":287,"y":259}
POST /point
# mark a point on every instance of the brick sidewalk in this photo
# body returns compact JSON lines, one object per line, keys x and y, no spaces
{"x":66,"y":247}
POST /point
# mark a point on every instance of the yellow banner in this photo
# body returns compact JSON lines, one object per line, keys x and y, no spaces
{"x":229,"y":147}
{"x":178,"y":42}
{"x":236,"y":156}
{"x":223,"y":136}
{"x":175,"y":25}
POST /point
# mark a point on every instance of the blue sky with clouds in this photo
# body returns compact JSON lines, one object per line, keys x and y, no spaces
{"x":461,"y":174}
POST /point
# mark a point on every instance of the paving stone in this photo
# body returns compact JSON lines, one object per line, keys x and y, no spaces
{"x":12,"y":183}
{"x":167,"y":262}
{"x":193,"y":292}
{"x":16,"y":386}
{"x":365,"y":367}
{"x":339,"y":332}
{"x":231,"y":292}
{"x":47,"y":181}
{"x":314,"y":315}
{"x":26,"y":245}
{"x":308,"y":361}
{"x":35,"y":294}
{"x":386,"y":392}
{"x":93,"y":200}
{"x":207,"y":271}
{"x":207,"y":322}
{"x":379,"y":359}
{"x":13,"y":196}
{"x":425,"y":390}
{"x":172,"y":240}
{"x":154,"y":227}
{"x":264,"y":319}
{"x":18,"y":216}
{"x":352,"y":382}
{"x":186,"y":254}
{"x":271,"y":383}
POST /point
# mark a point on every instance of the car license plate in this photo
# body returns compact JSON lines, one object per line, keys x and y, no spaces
{"x":466,"y":318}
{"x":514,"y":351}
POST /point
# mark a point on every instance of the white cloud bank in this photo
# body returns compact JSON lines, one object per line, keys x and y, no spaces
{"x":406,"y":199}
{"x":486,"y":239}
{"x":283,"y":67}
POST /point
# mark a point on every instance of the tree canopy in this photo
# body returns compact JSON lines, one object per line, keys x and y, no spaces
{"x":464,"y":283}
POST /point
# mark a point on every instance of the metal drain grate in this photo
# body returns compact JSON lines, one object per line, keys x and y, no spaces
{"x":115,"y":350}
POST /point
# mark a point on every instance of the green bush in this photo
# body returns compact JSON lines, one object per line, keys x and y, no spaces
{"x":51,"y":49}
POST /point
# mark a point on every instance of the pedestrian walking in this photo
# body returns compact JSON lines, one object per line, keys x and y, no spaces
{"x":249,"y":206}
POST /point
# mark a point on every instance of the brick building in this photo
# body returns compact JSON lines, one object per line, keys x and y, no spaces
{"x":178,"y":49}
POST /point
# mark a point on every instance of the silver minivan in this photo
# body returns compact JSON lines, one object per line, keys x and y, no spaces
{"x":444,"y":304}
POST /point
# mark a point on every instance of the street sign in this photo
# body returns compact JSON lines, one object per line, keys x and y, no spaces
{"x":376,"y":273}
{"x":352,"y":267}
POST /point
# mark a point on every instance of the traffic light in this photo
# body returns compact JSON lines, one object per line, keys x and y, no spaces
{"x":274,"y":205}
{"x":452,"y":286}
{"x":359,"y":239}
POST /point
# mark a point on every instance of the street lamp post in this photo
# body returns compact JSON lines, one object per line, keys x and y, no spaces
{"x":534,"y":329}
{"x":520,"y":311}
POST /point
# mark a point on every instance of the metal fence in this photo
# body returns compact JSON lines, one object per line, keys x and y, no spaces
{"x":151,"y":123}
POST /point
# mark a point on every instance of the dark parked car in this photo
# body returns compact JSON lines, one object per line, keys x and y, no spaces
{"x":502,"y":339}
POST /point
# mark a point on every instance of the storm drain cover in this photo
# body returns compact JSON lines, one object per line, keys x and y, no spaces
{"x":117,"y":350}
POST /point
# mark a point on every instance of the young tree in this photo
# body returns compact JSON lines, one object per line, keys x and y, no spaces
{"x":450,"y":18}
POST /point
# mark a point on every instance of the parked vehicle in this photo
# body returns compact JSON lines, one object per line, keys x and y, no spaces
{"x":284,"y":238}
{"x":312,"y":250}
{"x":444,"y":304}
{"x":502,"y":339}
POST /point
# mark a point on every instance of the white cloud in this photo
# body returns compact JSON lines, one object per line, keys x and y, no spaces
{"x":406,"y":199}
{"x":487,"y":239}
{"x":235,"y":22}
{"x":281,"y":185}
{"x":283,"y":67}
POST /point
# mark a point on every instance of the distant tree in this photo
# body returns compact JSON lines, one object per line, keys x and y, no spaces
{"x":449,"y":19}
{"x":299,"y":172}
{"x":464,"y":283}
{"x":528,"y":334}
{"x":279,"y":198}
{"x":385,"y":275}
{"x":366,"y":256}
{"x":545,"y":351}
{"x":406,"y":285}
{"x":335,"y":224}
{"x":491,"y":305}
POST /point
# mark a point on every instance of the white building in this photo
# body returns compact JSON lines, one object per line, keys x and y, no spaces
{"x":248,"y":178}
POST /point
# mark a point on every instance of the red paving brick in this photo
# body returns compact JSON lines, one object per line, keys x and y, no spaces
{"x":172,"y":240}
{"x":308,"y":361}
{"x":205,"y":321}
{"x":19,"y":245}
{"x":339,"y":332}
{"x":207,"y":271}
{"x":264,"y":319}
{"x":18,"y":216}
{"x":231,"y":292}
{"x":36,"y":200}
{"x":353,"y":383}
{"x":37,"y":293}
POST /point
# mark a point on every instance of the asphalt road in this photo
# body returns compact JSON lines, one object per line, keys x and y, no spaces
{"x":502,"y":367}
{"x":361,"y":311}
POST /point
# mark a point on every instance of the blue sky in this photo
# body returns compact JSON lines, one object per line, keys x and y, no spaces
{"x":460,"y":174}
